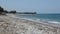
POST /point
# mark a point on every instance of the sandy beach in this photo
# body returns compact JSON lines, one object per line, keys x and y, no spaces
{"x":12,"y":25}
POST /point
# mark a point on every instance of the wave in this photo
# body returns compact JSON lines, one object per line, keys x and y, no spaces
{"x":39,"y":20}
{"x":47,"y":21}
{"x":54,"y":22}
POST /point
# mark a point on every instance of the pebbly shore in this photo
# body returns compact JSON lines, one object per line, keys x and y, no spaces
{"x":12,"y":25}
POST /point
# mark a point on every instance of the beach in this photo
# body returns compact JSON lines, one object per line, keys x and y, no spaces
{"x":9,"y":24}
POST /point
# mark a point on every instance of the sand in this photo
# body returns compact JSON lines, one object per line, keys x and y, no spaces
{"x":12,"y":25}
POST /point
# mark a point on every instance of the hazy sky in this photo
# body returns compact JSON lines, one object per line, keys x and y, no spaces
{"x":40,"y":6}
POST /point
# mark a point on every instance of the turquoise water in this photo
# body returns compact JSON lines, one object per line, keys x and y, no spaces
{"x":48,"y":18}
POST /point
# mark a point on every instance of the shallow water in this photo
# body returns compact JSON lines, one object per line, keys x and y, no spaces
{"x":48,"y":18}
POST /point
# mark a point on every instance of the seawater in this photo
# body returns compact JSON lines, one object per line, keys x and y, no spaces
{"x":47,"y":18}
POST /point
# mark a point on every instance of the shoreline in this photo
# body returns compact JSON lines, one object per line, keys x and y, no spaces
{"x":10,"y":24}
{"x":50,"y":24}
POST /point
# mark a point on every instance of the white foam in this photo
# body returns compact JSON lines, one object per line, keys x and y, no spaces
{"x":37,"y":20}
{"x":53,"y":22}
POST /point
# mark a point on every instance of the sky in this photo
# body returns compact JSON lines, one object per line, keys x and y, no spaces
{"x":39,"y":6}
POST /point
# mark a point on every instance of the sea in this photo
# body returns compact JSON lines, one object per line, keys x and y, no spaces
{"x":46,"y":18}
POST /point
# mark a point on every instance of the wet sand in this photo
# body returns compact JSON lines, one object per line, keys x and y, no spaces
{"x":12,"y":25}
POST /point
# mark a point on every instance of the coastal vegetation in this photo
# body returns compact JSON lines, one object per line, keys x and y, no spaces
{"x":2,"y":11}
{"x":13,"y":11}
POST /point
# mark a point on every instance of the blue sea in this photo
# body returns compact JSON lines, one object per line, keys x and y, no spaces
{"x":46,"y":18}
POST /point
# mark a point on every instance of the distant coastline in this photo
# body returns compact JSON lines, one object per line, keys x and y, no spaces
{"x":26,"y":13}
{"x":3,"y":11}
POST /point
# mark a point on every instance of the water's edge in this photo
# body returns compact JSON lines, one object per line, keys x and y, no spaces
{"x":49,"y":24}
